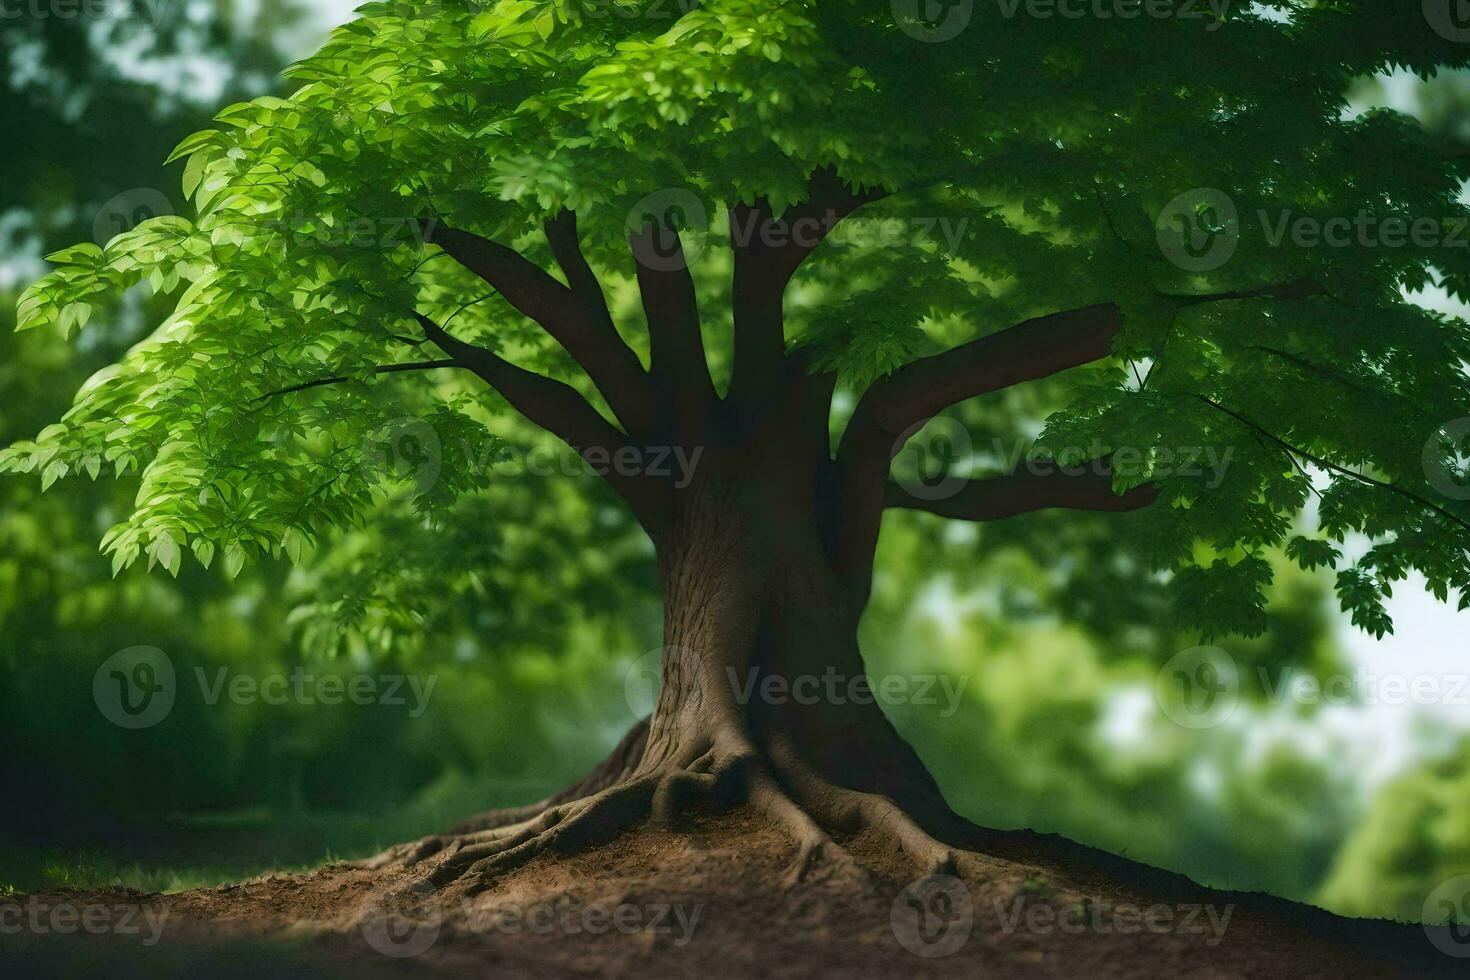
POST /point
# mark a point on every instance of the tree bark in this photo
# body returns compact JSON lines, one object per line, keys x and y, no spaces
{"x":763,"y":697}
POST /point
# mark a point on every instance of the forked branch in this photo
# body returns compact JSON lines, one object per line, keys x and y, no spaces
{"x":682,"y":384}
{"x":559,"y":409}
{"x":575,"y":316}
{"x":768,"y":251}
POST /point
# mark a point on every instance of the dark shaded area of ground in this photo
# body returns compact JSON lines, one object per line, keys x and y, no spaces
{"x":716,"y":899}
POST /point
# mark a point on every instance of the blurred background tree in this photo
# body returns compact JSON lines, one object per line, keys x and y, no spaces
{"x":537,"y":644}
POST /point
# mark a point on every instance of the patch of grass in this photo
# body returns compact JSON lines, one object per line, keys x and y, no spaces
{"x":205,"y":850}
{"x":1036,"y":887}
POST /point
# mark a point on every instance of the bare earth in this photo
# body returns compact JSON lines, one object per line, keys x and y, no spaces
{"x":717,"y":899}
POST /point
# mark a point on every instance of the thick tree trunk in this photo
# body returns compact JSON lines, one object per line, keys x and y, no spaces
{"x":756,"y":699}
{"x":761,"y":642}
{"x":763,"y":700}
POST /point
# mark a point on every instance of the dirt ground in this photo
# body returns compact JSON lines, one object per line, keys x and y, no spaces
{"x":717,"y":900}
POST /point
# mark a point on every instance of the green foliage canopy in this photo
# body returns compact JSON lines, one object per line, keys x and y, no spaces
{"x":255,"y":413}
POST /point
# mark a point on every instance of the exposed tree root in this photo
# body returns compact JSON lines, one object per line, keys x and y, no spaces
{"x":619,"y":763}
{"x":725,"y":771}
{"x":851,"y":811}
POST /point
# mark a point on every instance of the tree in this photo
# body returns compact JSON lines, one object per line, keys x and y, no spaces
{"x":826,"y":211}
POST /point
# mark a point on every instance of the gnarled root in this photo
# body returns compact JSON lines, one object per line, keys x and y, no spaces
{"x":724,"y":771}
{"x":620,"y":762}
{"x":852,"y":811}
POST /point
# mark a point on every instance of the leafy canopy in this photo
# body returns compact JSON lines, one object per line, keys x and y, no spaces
{"x":1059,"y":148}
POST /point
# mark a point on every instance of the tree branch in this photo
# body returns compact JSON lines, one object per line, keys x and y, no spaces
{"x":892,"y":408}
{"x":1297,"y":289}
{"x":681,"y":378}
{"x":1088,"y":487}
{"x":575,"y":316}
{"x":1028,"y":351}
{"x":558,"y":408}
{"x":340,"y":379}
{"x":1327,"y":464}
{"x":566,"y":246}
{"x":768,"y":251}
